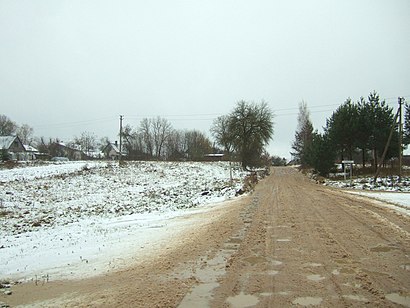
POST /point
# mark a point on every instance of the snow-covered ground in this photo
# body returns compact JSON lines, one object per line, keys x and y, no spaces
{"x":395,"y":195}
{"x":78,"y":219}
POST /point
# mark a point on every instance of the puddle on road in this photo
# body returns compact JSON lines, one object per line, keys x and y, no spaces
{"x":399,"y":299}
{"x":315,"y":278}
{"x":342,"y":261}
{"x":343,"y":270}
{"x":235,"y":240}
{"x":209,"y":271}
{"x":276,"y":262}
{"x":307,"y":301}
{"x":272,"y":273}
{"x":347,"y":270}
{"x":243,"y":300}
{"x":200,"y":296}
{"x":255,"y":260}
{"x":313,"y":264}
{"x":208,"y":275}
{"x":356,"y":298}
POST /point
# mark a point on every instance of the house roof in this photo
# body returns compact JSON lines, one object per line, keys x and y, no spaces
{"x":113,"y":146}
{"x":29,"y":148}
{"x":6,"y":141}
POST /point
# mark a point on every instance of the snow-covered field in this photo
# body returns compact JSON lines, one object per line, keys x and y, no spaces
{"x":79,"y":219}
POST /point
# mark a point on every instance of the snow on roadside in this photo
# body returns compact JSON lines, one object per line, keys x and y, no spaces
{"x":76,"y":219}
{"x":397,"y":201}
{"x":388,"y":190}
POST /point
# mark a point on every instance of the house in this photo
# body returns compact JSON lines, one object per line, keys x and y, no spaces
{"x":59,"y":149}
{"x":12,"y":147}
{"x":112,"y":151}
{"x":31,"y":152}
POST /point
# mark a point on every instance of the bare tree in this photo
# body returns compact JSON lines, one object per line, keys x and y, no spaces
{"x":303,"y":135}
{"x":161,"y":129}
{"x":87,"y":142}
{"x":249,"y":129}
{"x":25,"y":133}
{"x":197,"y":144}
{"x":7,"y":126}
{"x":176,"y":145}
{"x":220,"y":131}
{"x":145,"y":129}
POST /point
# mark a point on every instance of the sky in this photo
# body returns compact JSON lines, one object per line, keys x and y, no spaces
{"x":72,"y":66}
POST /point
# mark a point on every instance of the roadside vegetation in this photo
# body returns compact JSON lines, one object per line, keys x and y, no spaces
{"x":355,"y":131}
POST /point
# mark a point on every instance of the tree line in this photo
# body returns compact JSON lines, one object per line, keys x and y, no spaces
{"x":155,"y":138}
{"x":241,"y":135}
{"x":356,"y":130}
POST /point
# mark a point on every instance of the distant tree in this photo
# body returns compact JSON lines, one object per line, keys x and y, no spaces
{"x":251,"y":128}
{"x":278,"y":161}
{"x":197,"y":145}
{"x":103,"y":142}
{"x":221,"y":133}
{"x":147,"y":135}
{"x":42,"y":145}
{"x":303,"y":135}
{"x":87,"y":142}
{"x":25,"y":133}
{"x":342,"y":128}
{"x":7,"y":126}
{"x":321,"y":154}
{"x":133,"y":143}
{"x":176,"y":146}
{"x":376,"y":120}
{"x":161,"y":130}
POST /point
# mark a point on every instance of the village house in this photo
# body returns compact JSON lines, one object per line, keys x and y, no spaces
{"x":31,"y":152}
{"x":112,"y":151}
{"x":12,"y":147}
{"x":59,"y":149}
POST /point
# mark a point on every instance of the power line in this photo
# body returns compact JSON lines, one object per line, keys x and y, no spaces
{"x":196,"y":116}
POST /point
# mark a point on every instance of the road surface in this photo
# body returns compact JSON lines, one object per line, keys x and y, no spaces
{"x":290,"y":243}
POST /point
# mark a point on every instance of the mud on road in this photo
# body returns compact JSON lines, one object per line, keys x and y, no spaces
{"x":290,"y":243}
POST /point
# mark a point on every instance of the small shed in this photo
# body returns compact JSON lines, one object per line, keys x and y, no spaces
{"x":13,"y":146}
{"x":214,"y":157}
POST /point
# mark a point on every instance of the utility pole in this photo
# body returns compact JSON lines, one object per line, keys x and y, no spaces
{"x":401,"y":100}
{"x":121,"y":117}
{"x":387,"y":145}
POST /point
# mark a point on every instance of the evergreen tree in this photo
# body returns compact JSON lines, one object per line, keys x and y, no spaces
{"x":342,"y":128}
{"x":378,"y":119}
{"x":303,"y":135}
{"x":4,"y":155}
{"x":321,"y":154}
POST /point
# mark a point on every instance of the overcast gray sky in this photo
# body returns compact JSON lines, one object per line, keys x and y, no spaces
{"x":73,"y":66}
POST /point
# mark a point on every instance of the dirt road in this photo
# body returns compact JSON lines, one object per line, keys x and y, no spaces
{"x":290,"y":243}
